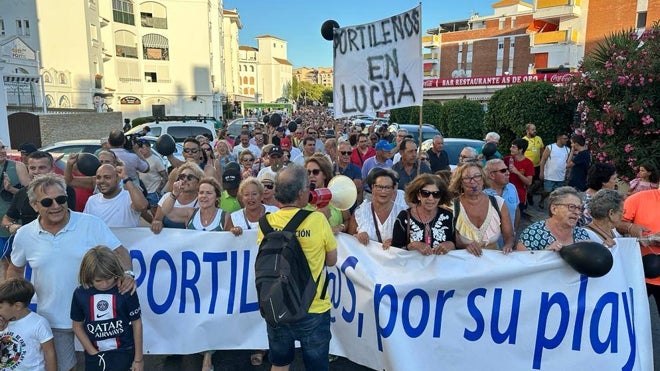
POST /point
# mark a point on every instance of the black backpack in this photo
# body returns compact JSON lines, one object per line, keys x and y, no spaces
{"x":285,"y":286}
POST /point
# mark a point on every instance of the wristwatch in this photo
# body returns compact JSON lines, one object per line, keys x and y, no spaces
{"x":130,"y":273}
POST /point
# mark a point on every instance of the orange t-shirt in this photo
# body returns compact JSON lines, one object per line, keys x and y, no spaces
{"x":643,"y":208}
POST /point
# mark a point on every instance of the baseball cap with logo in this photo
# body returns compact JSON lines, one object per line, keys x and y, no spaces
{"x":383,"y":145}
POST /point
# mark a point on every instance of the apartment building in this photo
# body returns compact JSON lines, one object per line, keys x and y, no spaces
{"x":320,"y":75}
{"x":474,"y":57}
{"x":141,"y":58}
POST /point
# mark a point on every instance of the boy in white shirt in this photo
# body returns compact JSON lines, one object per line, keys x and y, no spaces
{"x":26,"y":340}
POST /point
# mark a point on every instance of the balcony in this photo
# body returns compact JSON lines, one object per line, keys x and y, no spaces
{"x":557,"y":9}
{"x":431,"y":41}
{"x":553,"y":37}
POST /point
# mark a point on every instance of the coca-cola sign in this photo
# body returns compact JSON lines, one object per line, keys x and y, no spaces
{"x":555,"y":78}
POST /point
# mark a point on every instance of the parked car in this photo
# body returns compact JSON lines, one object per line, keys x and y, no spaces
{"x":453,"y":147}
{"x":179,"y":130}
{"x":235,"y":127}
{"x":62,"y":150}
{"x":428,"y":131}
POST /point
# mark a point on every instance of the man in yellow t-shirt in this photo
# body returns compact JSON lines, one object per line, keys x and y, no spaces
{"x":320,"y":248}
{"x":533,"y":152}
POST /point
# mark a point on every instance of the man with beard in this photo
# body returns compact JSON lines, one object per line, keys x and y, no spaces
{"x":117,"y":207}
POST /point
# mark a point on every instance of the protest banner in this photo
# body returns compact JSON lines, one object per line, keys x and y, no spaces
{"x":378,"y":65}
{"x":398,"y":310}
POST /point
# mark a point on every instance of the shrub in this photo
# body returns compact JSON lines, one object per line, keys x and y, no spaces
{"x":618,"y":92}
{"x":463,"y":119}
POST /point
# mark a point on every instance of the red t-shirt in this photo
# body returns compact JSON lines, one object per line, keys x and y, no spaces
{"x":358,"y":158}
{"x":526,"y":167}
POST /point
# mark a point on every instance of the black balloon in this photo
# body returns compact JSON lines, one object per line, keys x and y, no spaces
{"x":88,"y":164}
{"x":266,"y":119}
{"x":292,"y":126}
{"x":587,"y":257}
{"x":489,"y":150}
{"x":328,"y":29}
{"x":165,"y":145}
{"x":298,"y":120}
{"x":651,"y":264}
{"x":275,"y":120}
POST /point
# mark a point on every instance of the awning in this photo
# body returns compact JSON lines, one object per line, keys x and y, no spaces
{"x":20,"y":78}
{"x":153,"y":40}
{"x":541,"y":26}
{"x":428,"y":66}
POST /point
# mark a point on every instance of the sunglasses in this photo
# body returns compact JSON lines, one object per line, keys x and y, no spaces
{"x":503,"y":171}
{"x":426,"y":194}
{"x":48,"y":202}
{"x":424,"y":159}
{"x":248,"y":159}
{"x":190,"y":150}
{"x":188,"y":177}
{"x":345,"y":153}
{"x":275,"y":155}
{"x":208,"y":149}
{"x":268,"y":186}
{"x":314,"y":172}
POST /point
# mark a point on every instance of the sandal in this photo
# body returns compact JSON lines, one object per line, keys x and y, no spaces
{"x":256,"y":359}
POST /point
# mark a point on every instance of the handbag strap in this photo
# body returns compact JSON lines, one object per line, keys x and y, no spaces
{"x":373,"y":214}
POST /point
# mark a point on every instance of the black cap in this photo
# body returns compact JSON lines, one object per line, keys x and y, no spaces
{"x":28,"y":148}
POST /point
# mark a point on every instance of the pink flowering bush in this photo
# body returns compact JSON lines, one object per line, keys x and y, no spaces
{"x":618,"y":94}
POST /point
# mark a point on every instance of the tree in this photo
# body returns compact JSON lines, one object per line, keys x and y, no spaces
{"x":618,"y":95}
{"x":540,"y":103}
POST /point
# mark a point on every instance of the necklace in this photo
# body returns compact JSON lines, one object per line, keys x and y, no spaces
{"x":603,"y":232}
{"x":209,"y":218}
{"x":427,"y":227}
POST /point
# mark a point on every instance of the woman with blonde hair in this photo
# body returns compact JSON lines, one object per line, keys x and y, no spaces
{"x":251,"y":193}
{"x":183,"y":195}
{"x":478,"y":217}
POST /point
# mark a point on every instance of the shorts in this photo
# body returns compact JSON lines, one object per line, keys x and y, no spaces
{"x":313,"y":332}
{"x":153,"y":198}
{"x":64,"y":349}
{"x":110,"y":360}
{"x":551,"y":185}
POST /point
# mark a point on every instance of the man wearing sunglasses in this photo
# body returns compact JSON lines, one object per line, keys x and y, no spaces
{"x":344,"y":166}
{"x":117,"y":207}
{"x":497,"y":174}
{"x":54,"y":245}
{"x":276,"y":163}
{"x":192,"y":151}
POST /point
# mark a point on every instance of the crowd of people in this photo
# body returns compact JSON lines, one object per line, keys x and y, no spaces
{"x":405,"y":198}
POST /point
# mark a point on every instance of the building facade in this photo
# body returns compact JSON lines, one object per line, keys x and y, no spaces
{"x":122,"y":55}
{"x":265,"y":71}
{"x":320,"y":76}
{"x":247,"y":59}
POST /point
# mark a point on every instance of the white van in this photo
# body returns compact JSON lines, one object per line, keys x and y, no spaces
{"x":179,"y":130}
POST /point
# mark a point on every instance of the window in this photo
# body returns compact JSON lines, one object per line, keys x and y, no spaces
{"x":502,"y":21}
{"x":49,"y":100}
{"x":251,"y":91}
{"x":153,"y":15}
{"x":48,"y":79}
{"x":122,"y":12}
{"x":64,"y":102}
{"x":93,"y":32}
{"x":150,"y":77}
{"x":155,"y":47}
{"x":641,"y":20}
{"x":63,"y":79}
{"x":245,"y":80}
{"x":125,"y":44}
{"x":500,"y":45}
{"x":251,"y":80}
{"x":513,"y":22}
{"x":251,"y":68}
{"x":19,"y":27}
{"x":245,"y":91}
{"x":2,"y":27}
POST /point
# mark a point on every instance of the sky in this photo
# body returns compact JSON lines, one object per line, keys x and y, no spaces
{"x":299,"y":21}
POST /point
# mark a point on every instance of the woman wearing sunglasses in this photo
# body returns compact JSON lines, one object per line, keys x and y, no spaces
{"x":246,"y":160}
{"x":565,"y":208}
{"x":374,"y":220}
{"x":425,"y":227}
{"x":183,"y":195}
{"x":223,"y":153}
{"x":478,"y":216}
{"x":319,"y":170}
{"x":267,"y":180}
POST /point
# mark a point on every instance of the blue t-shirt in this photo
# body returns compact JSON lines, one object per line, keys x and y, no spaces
{"x":107,"y":317}
{"x":578,"y":179}
{"x":538,"y":237}
{"x":351,"y":171}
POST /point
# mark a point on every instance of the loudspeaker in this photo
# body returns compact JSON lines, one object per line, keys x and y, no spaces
{"x":340,"y":193}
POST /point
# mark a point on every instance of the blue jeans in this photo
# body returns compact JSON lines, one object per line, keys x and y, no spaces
{"x":313,"y":332}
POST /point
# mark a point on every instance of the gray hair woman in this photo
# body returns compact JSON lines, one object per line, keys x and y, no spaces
{"x":565,"y":208}
{"x":606,"y":208}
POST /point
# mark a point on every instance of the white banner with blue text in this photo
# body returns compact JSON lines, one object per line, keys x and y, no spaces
{"x":398,"y":310}
{"x":378,"y":65}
